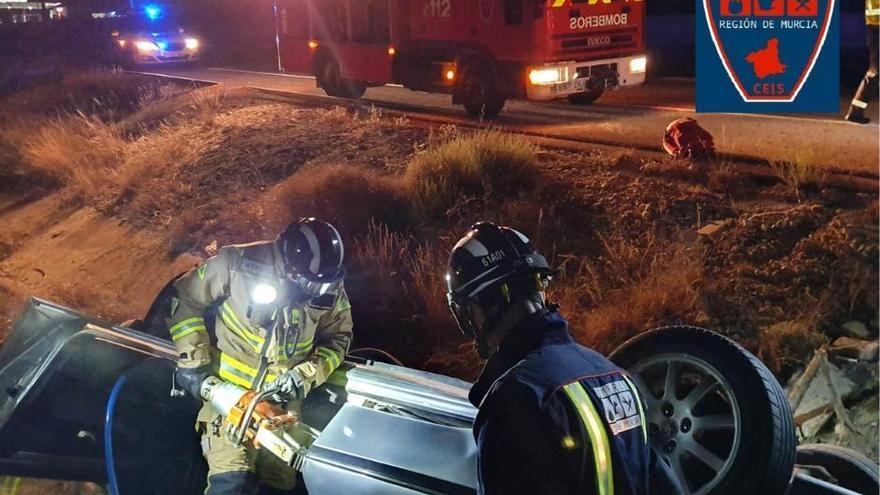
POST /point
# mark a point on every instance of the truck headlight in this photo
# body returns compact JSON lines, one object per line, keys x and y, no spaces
{"x":146,"y":46}
{"x":547,"y":76}
{"x":638,"y":65}
{"x":191,"y":43}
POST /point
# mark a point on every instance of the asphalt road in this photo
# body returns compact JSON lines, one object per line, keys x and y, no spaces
{"x":633,"y":117}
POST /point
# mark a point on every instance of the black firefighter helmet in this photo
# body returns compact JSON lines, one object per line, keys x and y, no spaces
{"x":491,"y":266}
{"x":313,"y":252}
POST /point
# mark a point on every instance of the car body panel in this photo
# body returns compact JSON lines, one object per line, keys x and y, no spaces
{"x":386,"y":429}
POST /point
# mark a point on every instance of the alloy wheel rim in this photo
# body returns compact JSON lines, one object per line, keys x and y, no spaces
{"x":694,"y":419}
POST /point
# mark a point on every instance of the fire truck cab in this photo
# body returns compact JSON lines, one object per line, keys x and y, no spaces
{"x":483,"y":52}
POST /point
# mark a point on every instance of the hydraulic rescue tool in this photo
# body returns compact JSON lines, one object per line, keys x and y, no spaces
{"x":255,"y":417}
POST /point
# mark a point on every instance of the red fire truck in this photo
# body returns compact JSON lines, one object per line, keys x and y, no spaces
{"x":483,"y":52}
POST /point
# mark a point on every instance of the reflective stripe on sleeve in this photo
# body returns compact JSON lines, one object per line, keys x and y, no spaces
{"x":635,"y":392}
{"x":186,"y":327}
{"x":598,"y":436}
{"x":331,"y":357}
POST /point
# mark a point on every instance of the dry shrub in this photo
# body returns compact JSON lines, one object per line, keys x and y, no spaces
{"x":79,"y":150}
{"x":725,"y":179}
{"x":349,"y":197}
{"x":480,"y":164}
{"x":788,"y":344}
{"x":630,"y":288}
{"x":799,"y":174}
{"x":397,"y":287}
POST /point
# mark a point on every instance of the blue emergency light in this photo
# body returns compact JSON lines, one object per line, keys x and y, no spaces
{"x":152,"y":12}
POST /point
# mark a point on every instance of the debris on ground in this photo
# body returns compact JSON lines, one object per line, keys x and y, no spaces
{"x":835,"y":396}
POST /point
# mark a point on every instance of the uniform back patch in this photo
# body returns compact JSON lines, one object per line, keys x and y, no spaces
{"x":621,"y":406}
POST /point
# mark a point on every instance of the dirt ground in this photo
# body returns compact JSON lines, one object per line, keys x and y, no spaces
{"x":99,"y":210}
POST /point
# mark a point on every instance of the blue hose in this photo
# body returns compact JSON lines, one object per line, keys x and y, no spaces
{"x":108,"y":435}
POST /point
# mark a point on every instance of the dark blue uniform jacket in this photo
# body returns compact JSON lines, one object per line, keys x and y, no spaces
{"x":558,"y":418}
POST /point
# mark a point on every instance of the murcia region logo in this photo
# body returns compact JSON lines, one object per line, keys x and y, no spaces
{"x":767,"y":56}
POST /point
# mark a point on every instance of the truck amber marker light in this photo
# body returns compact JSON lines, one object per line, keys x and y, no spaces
{"x":313,"y":44}
{"x":391,"y":50}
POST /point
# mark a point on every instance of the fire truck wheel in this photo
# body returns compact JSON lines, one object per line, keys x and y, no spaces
{"x":478,"y":94}
{"x":331,"y":81}
{"x":714,"y":411}
{"x":586,"y":98}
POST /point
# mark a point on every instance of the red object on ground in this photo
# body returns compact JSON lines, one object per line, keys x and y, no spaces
{"x":685,"y":138}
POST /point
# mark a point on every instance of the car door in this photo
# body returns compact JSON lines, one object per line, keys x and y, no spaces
{"x":84,"y":400}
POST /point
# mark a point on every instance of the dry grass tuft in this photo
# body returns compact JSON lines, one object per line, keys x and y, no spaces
{"x":486,"y":163}
{"x":81,"y":151}
{"x":725,"y":179}
{"x":799,"y":174}
{"x":397,"y":282}
{"x":789,"y":344}
{"x":630,"y":288}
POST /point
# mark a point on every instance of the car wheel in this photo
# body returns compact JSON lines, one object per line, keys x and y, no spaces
{"x":714,"y":411}
{"x":478,"y":93}
{"x":586,"y":98}
{"x":850,"y":469}
{"x":331,"y":81}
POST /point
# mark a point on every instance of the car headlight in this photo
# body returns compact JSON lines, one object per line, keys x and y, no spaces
{"x":191,"y":43}
{"x":146,"y":46}
{"x":547,"y":76}
{"x":638,"y":65}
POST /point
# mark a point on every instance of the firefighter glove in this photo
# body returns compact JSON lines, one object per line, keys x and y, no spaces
{"x":190,"y":379}
{"x":290,"y":383}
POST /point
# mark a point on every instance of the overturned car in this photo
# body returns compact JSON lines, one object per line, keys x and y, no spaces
{"x":87,"y":400}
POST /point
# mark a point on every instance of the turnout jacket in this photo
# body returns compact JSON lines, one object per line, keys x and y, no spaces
{"x":558,"y":418}
{"x":250,"y":338}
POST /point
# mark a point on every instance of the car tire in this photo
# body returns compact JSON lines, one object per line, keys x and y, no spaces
{"x":850,"y":469}
{"x":586,"y":98}
{"x":478,"y":93}
{"x":331,"y":81}
{"x":726,"y":428}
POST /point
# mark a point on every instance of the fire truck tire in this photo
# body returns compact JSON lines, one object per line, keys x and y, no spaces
{"x":714,"y":411}
{"x":331,"y":81}
{"x":478,"y":93}
{"x":586,"y":98}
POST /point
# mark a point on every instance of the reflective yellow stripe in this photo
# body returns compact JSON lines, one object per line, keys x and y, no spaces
{"x":558,"y":3}
{"x":331,"y":357}
{"x":302,"y":345}
{"x":186,"y":331}
{"x":598,"y":436}
{"x":227,"y":314}
{"x":239,"y":373}
{"x":177,"y":326}
{"x":635,"y":392}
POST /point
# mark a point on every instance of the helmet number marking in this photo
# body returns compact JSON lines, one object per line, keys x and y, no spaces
{"x":493,"y":257}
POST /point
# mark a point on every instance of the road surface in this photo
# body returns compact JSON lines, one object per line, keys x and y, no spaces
{"x":633,"y":118}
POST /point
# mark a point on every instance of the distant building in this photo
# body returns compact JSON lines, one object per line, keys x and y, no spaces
{"x":21,"y":11}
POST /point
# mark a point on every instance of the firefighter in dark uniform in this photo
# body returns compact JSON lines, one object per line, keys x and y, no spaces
{"x":868,"y":87}
{"x":554,"y":417}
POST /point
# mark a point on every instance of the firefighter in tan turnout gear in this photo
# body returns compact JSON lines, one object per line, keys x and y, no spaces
{"x":282,"y":320}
